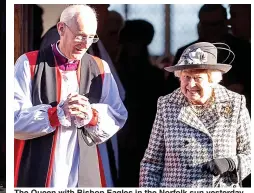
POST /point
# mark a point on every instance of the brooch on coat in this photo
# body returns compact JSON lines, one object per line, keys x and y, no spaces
{"x":226,"y":110}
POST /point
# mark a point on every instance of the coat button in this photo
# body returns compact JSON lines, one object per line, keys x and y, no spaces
{"x":186,"y":142}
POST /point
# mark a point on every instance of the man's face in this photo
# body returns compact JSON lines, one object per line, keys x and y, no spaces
{"x":76,"y":37}
{"x":212,"y":26}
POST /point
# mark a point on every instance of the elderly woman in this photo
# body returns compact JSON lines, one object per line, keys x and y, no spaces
{"x":201,"y":133}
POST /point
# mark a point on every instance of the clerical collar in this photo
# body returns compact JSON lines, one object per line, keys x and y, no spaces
{"x":63,"y":62}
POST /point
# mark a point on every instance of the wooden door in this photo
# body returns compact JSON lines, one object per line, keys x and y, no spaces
{"x":22,"y":33}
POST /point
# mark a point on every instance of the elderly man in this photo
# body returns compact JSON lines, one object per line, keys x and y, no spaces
{"x":100,"y":51}
{"x":66,"y":102}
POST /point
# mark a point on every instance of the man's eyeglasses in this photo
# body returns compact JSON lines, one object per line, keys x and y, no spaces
{"x":82,"y":38}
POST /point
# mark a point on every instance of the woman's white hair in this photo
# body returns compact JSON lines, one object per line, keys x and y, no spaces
{"x":72,"y":11}
{"x":214,"y":76}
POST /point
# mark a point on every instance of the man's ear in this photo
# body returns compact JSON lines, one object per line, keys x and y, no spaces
{"x":60,"y":28}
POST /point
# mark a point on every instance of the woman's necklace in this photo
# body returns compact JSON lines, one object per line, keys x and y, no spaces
{"x":200,"y":109}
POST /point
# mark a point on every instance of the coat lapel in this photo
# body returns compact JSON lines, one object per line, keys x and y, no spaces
{"x":188,"y":117}
{"x":211,"y":117}
{"x":221,"y":109}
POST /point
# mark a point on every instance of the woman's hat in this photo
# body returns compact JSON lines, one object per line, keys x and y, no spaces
{"x":202,"y":55}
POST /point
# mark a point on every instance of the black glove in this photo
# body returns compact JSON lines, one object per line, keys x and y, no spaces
{"x":220,"y":166}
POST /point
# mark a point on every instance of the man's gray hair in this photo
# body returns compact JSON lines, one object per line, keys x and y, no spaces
{"x":72,"y":11}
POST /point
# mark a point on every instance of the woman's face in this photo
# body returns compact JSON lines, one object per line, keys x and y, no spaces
{"x":195,"y":85}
